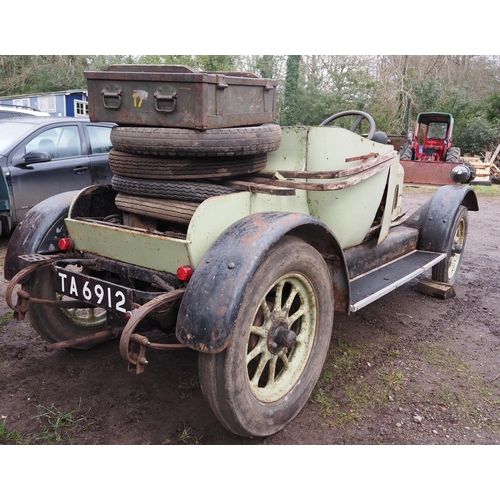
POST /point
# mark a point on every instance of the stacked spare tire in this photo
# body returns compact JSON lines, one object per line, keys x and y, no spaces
{"x":180,"y":134}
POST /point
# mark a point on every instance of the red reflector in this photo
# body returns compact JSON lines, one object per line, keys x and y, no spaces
{"x":184,"y":273}
{"x":65,"y":244}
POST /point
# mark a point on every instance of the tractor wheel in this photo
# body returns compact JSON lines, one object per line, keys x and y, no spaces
{"x":446,"y":271}
{"x":164,"y":141}
{"x":453,"y":155}
{"x":178,"y":168}
{"x":278,"y":345}
{"x":54,"y":324}
{"x":408,"y":153}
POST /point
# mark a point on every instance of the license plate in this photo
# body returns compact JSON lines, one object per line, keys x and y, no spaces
{"x":94,"y":291}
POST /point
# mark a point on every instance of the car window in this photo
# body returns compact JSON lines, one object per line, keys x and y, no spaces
{"x":100,"y":141}
{"x":59,"y":142}
{"x":12,"y":132}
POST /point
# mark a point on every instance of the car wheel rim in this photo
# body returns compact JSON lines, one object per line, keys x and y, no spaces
{"x":281,"y":338}
{"x":85,"y":317}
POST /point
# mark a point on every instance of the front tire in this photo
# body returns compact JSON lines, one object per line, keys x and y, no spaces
{"x":408,"y":153}
{"x":58,"y":324}
{"x":453,"y":155}
{"x":447,"y":270}
{"x":261,"y":381}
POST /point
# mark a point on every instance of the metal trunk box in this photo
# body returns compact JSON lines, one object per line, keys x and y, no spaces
{"x":178,"y":96}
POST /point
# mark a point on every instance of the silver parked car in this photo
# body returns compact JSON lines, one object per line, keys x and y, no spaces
{"x":43,"y":156}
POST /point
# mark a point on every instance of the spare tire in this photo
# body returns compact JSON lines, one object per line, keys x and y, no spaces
{"x":173,"y":190}
{"x":167,"y":210}
{"x":164,"y":141}
{"x":166,"y":167}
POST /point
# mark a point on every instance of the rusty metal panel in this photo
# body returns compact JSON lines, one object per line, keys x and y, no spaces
{"x":177,"y":96}
{"x":131,"y":246}
{"x":435,"y":173}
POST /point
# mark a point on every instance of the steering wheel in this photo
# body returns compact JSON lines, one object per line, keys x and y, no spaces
{"x":361,"y":116}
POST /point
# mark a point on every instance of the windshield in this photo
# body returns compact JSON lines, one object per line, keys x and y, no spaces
{"x":12,"y":132}
{"x":437,"y":130}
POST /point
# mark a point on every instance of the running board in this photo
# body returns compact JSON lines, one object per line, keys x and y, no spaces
{"x":369,"y":287}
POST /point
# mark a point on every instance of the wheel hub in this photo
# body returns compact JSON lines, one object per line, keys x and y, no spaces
{"x":280,"y":336}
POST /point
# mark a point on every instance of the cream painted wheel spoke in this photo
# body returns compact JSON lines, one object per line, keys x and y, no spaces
{"x":272,"y":369}
{"x":296,"y":315}
{"x":258,"y":349}
{"x":264,"y":359}
{"x":265,"y":311}
{"x":278,"y":296}
{"x":283,"y":357}
{"x":290,"y":299}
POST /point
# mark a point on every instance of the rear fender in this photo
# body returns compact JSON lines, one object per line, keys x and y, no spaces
{"x":214,"y":294}
{"x":435,"y":217}
{"x":38,"y":232}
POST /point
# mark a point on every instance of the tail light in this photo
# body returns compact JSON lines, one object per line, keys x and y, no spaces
{"x":65,"y":244}
{"x":184,"y":273}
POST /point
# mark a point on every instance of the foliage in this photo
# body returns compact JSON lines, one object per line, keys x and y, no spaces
{"x":290,"y":104}
{"x":427,"y":95}
{"x":477,"y":135}
{"x":491,"y":106}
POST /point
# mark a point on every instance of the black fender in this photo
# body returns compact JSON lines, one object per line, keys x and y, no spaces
{"x":38,"y":232}
{"x":435,"y":217}
{"x":215,"y":291}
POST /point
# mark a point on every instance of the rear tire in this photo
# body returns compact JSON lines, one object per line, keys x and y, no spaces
{"x":447,"y":270}
{"x":256,"y":387}
{"x":54,"y":324}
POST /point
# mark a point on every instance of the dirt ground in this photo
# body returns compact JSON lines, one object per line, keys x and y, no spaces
{"x":407,"y":369}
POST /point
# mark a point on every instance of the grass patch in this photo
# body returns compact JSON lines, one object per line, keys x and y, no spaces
{"x":58,"y":426}
{"x":6,"y":317}
{"x":187,"y":438}
{"x":188,"y":387}
{"x":487,"y":191}
{"x":8,"y":436}
{"x":356,"y":379}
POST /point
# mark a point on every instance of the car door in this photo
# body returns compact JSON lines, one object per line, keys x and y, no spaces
{"x":67,"y":169}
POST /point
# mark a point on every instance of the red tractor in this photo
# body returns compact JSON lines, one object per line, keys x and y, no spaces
{"x":432,"y":143}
